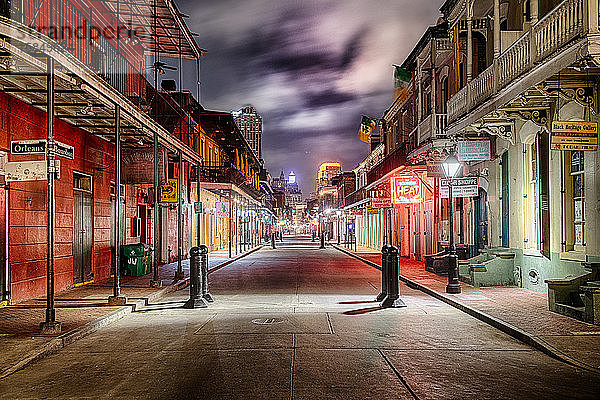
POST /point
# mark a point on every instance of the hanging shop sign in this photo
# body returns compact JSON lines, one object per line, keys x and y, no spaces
{"x":29,"y":171}
{"x":574,"y":135}
{"x":39,"y":147}
{"x":473,"y":150}
{"x":372,"y":211}
{"x":198,"y":207}
{"x":222,"y":209}
{"x":434,"y":170}
{"x":406,"y":189}
{"x":168,"y":191}
{"x":461,"y":187}
{"x":381,"y":202}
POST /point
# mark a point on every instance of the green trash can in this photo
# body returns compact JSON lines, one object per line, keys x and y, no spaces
{"x":133,"y":260}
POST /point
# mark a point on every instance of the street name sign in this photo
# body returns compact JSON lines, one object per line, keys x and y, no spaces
{"x":39,"y":147}
{"x":461,"y":187}
{"x":574,"y":135}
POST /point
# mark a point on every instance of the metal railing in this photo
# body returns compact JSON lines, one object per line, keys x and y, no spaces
{"x":565,"y":22}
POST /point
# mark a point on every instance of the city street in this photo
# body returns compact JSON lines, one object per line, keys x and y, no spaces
{"x":299,"y":322}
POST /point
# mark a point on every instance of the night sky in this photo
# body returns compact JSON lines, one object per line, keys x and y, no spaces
{"x":311,"y":69}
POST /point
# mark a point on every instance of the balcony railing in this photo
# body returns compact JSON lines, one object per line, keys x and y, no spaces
{"x":228,"y":174}
{"x":392,"y":161}
{"x":354,"y":197}
{"x":560,"y":26}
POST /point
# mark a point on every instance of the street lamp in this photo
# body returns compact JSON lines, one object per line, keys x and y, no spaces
{"x":451,"y":166}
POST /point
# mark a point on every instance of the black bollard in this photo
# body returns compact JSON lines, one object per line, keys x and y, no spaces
{"x":384,"y":272}
{"x":204,"y":267}
{"x":281,"y":237}
{"x":313,"y":236}
{"x":322,"y":241}
{"x":392,"y":300}
{"x":273,"y":240}
{"x":196,"y":300}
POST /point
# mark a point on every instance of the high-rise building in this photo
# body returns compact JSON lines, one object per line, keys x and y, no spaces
{"x":327,"y":171}
{"x":250,"y":124}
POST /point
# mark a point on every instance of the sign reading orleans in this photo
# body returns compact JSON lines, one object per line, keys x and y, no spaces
{"x":39,"y":147}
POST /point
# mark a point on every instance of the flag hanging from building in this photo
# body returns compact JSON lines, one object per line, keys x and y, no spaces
{"x":366,"y":127}
{"x":401,"y":83}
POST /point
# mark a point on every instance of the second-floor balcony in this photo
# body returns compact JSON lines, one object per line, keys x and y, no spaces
{"x":432,"y":127}
{"x":392,"y":161}
{"x":555,"y":32}
{"x":228,"y":174}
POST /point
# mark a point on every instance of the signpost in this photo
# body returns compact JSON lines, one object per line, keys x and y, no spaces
{"x":222,"y":209}
{"x":168,"y":192}
{"x":29,"y":171}
{"x":473,"y":150}
{"x":406,"y":189}
{"x":381,"y":202}
{"x":574,"y":135}
{"x":39,"y":147}
{"x":461,"y":187}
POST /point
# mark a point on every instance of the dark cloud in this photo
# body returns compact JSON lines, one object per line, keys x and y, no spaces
{"x":310,"y":67}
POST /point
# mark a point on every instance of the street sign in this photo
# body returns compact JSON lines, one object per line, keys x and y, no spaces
{"x":574,"y":135}
{"x":168,"y":191}
{"x":473,"y":150}
{"x":406,"y":189}
{"x":381,"y":202}
{"x":222,"y":209}
{"x":64,"y":150}
{"x":39,"y":147}
{"x":461,"y":187}
{"x":198,"y":207}
{"x":28,"y":147}
{"x":21,"y":171}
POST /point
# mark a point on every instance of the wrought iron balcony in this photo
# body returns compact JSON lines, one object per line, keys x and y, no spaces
{"x":566,"y":22}
{"x":228,"y":174}
{"x":392,"y":161}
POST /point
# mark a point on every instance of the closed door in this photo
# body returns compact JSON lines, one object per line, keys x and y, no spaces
{"x":428,"y":214}
{"x":3,"y":263}
{"x":417,"y":219}
{"x":505,"y":210}
{"x":113,"y":227}
{"x":82,"y":237}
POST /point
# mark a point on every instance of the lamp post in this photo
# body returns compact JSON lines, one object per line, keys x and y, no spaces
{"x":339,"y":215}
{"x":451,"y":167}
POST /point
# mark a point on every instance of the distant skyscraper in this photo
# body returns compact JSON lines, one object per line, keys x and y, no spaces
{"x":327,"y":171}
{"x":250,"y":124}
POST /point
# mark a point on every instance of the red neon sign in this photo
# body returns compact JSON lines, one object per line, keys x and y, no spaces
{"x":406,"y":189}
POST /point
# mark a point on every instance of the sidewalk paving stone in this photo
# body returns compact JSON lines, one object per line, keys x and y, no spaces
{"x":571,"y":340}
{"x":81,"y":310}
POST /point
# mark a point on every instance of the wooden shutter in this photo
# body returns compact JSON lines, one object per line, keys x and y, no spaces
{"x":543,"y":146}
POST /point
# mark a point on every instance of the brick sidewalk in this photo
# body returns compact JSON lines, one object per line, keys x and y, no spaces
{"x":523,"y":309}
{"x":81,"y":309}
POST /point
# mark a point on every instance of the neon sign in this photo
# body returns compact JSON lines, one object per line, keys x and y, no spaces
{"x":406,"y":189}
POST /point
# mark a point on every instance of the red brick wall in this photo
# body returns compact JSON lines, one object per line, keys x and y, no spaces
{"x":27,"y":203}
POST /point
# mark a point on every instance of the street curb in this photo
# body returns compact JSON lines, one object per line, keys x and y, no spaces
{"x":503,"y":326}
{"x":60,"y":342}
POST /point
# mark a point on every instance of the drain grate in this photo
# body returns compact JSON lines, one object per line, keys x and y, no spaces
{"x":267,"y":321}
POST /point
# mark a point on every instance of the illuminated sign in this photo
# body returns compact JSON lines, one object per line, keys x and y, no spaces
{"x":406,"y":189}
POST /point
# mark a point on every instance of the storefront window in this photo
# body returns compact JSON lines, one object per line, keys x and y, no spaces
{"x":578,"y":215}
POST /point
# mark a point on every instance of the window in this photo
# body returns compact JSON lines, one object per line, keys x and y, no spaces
{"x":82,"y":182}
{"x":578,"y":185}
{"x":98,"y":59}
{"x":574,"y":201}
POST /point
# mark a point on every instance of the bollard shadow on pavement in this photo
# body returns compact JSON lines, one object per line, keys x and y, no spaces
{"x":362,"y":311}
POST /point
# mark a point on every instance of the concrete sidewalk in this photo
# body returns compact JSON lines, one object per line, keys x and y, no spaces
{"x":521,"y":313}
{"x":83,"y":310}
